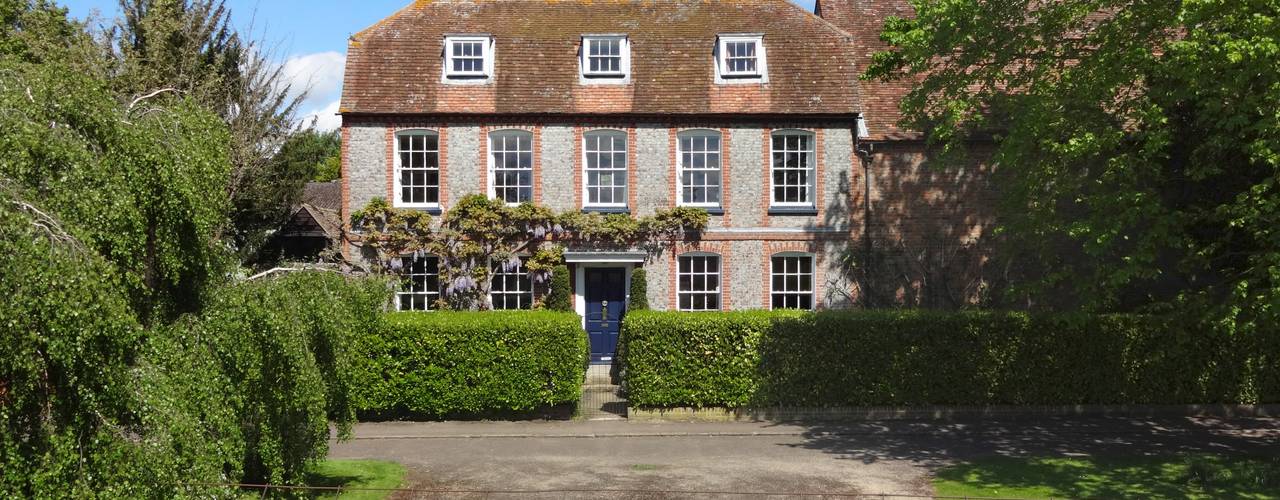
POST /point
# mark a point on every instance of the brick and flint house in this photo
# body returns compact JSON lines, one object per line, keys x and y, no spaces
{"x":751,"y":109}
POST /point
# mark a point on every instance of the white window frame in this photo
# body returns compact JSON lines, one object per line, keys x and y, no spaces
{"x":718,"y":292}
{"x":811,"y":189}
{"x":725,"y":75}
{"x":493,"y":167}
{"x":681,"y":166}
{"x":398,"y":188}
{"x":624,"y":64}
{"x":496,"y":271}
{"x":486,"y":53}
{"x":407,"y":274}
{"x":613,"y":169}
{"x":784,"y":273}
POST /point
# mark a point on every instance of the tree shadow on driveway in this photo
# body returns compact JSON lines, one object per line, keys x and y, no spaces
{"x":936,"y":443}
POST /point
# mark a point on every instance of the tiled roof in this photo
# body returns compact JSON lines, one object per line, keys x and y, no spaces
{"x":864,"y":19}
{"x":395,"y":66}
{"x":326,"y":195}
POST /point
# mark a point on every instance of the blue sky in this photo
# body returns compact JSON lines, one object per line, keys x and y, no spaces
{"x":310,"y":37}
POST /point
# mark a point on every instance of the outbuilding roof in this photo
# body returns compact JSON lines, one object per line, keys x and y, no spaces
{"x":394,"y":67}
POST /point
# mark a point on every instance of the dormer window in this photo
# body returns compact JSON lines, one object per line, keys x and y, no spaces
{"x":605,"y":57}
{"x":740,"y":57}
{"x":468,"y":57}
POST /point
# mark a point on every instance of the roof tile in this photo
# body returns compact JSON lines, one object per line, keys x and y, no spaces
{"x":864,"y":19}
{"x":394,"y":66}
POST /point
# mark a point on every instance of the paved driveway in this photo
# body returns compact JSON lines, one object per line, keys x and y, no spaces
{"x":742,"y":460}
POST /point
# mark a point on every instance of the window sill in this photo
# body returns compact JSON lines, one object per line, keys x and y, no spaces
{"x":433,"y":210}
{"x":607,"y":210}
{"x":467,"y":80}
{"x":793,"y":211}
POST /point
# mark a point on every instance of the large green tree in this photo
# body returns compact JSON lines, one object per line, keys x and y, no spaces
{"x":141,"y":181}
{"x":110,"y":210}
{"x":1138,"y":141}
{"x":190,"y":47}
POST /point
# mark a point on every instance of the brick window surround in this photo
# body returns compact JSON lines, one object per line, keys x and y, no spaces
{"x":442,"y":134}
{"x":720,"y":249}
{"x":486,"y":165}
{"x":810,"y":248}
{"x":580,"y":131}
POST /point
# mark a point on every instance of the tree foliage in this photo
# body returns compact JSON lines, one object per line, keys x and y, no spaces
{"x":110,"y":213}
{"x":1142,"y":133}
{"x":65,"y":404}
{"x":479,"y":233}
{"x":190,"y":46}
{"x":280,"y":349}
{"x":142,"y":181}
{"x":270,"y":200}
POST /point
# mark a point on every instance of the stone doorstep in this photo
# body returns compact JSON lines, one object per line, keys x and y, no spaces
{"x":689,"y":414}
{"x":599,"y":374}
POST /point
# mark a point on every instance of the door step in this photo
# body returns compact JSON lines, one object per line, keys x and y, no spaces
{"x":601,"y":397}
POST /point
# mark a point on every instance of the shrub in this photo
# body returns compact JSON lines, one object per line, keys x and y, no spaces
{"x":639,"y":291}
{"x":467,"y":363}
{"x":560,"y":295}
{"x":904,"y":358}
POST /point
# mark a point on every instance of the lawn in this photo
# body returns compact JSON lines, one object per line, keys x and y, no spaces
{"x":1183,"y":476}
{"x":356,"y":474}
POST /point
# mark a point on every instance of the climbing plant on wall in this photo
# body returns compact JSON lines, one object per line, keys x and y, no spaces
{"x":478,"y":234}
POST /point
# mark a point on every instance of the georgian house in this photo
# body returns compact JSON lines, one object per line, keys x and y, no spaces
{"x":750,"y":109}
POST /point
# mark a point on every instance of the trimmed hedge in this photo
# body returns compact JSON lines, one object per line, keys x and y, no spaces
{"x":447,"y":363}
{"x":639,"y":292}
{"x":560,"y":293}
{"x":906,"y":358}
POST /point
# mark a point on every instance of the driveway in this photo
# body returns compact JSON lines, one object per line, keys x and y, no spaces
{"x":754,"y":460}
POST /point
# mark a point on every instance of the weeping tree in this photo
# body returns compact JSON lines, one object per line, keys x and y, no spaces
{"x":189,"y":47}
{"x":479,"y":233}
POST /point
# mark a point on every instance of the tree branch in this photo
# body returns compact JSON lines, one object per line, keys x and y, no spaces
{"x":148,"y":96}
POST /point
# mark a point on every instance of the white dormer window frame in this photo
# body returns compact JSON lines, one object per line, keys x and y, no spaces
{"x":468,"y":58}
{"x":602,"y":45}
{"x":741,"y":58}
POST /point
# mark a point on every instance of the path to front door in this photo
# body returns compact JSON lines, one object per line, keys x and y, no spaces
{"x":606,"y":297}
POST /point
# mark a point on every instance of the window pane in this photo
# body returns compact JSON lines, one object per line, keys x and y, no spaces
{"x":418,"y":165}
{"x":512,"y":166}
{"x":700,"y":167}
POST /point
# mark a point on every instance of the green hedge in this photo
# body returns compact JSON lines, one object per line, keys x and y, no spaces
{"x":470,"y":363}
{"x":904,"y":358}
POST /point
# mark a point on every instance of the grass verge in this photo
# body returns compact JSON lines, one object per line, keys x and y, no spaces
{"x":1183,"y":476}
{"x":356,"y":474}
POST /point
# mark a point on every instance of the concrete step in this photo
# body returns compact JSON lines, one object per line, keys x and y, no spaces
{"x":599,"y":374}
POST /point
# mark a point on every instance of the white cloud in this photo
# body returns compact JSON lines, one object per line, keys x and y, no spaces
{"x":325,"y":118}
{"x":321,"y":73}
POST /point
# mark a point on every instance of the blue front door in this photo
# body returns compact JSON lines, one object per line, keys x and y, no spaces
{"x":606,"y":296}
